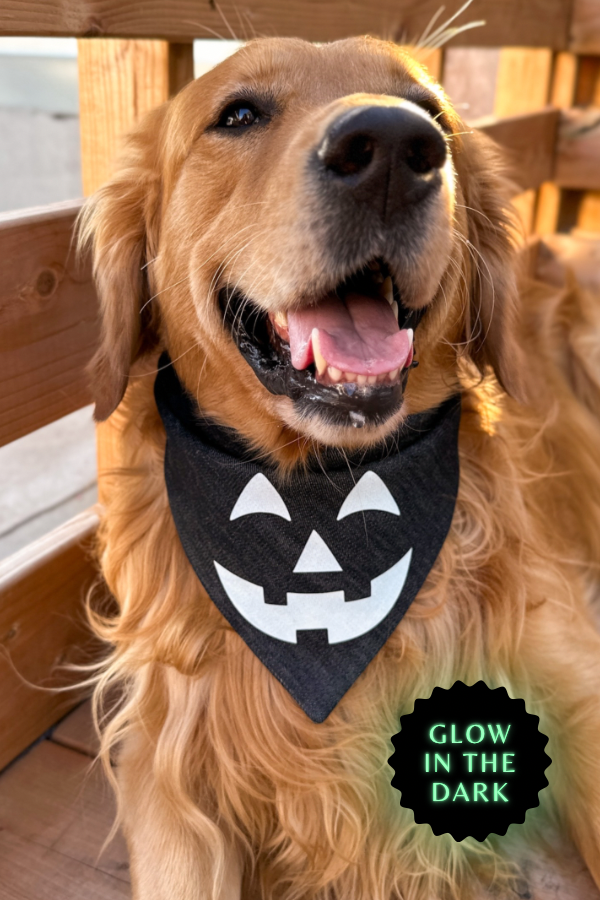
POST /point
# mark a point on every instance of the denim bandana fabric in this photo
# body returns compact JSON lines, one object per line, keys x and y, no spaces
{"x":316,"y":570}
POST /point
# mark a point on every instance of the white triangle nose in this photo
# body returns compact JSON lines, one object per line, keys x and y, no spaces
{"x":317,"y":557}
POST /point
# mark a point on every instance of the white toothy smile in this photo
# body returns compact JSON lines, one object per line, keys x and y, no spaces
{"x":351,"y":335}
{"x":328,"y":611}
{"x":342,"y":355}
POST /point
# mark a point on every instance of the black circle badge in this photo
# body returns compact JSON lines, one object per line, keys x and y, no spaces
{"x":469,"y":761}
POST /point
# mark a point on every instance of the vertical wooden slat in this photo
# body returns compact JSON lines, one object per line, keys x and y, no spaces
{"x":523,"y":86}
{"x":469,"y":79}
{"x":564,"y":80}
{"x":181,"y":66}
{"x":120,"y":81}
{"x":523,"y":83}
{"x":587,"y":93}
{"x":579,"y":207}
{"x":564,"y":77}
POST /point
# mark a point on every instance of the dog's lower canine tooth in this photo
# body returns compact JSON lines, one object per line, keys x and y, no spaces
{"x":334,"y":374}
{"x":280,"y":318}
{"x":387,"y":290}
{"x":320,"y":361}
{"x":410,"y":334}
{"x":393,"y":374}
{"x":394,"y":306}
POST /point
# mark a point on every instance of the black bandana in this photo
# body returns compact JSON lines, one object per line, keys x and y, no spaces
{"x":313,"y":572}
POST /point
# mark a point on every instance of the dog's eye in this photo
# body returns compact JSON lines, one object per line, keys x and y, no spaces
{"x":239,"y":115}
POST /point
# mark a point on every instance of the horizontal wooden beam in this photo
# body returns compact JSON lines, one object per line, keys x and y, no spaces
{"x":530,"y":142}
{"x":578,"y":156}
{"x":528,"y":23}
{"x":42,"y":629}
{"x":48,"y":320}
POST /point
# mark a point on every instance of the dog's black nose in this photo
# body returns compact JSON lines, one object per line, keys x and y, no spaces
{"x":387,"y":156}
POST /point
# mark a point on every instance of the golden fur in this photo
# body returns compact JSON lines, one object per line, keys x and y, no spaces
{"x":226,"y":789}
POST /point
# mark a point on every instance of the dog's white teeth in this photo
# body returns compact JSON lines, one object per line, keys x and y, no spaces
{"x":410,"y":334}
{"x":280,"y":318}
{"x":394,"y":306}
{"x":361,"y":380}
{"x":320,"y":361}
{"x":387,"y":290}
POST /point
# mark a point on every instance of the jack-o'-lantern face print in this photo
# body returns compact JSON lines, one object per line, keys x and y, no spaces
{"x":325,"y":610}
{"x":316,"y":570}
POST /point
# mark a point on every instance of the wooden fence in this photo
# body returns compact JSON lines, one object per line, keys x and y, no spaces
{"x":133,"y":56}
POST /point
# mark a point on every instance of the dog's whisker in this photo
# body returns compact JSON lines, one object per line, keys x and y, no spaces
{"x":249,"y":293}
{"x":444,"y":26}
{"x":158,"y":369}
{"x":453,"y":32}
{"x":443,"y":32}
{"x":217,"y":7}
{"x":243,"y":24}
{"x":188,"y":275}
{"x":420,"y":42}
{"x":478,"y":320}
{"x":206,"y":28}
{"x":206,"y":261}
{"x":231,"y":293}
{"x":471,"y":247}
{"x":477,"y":211}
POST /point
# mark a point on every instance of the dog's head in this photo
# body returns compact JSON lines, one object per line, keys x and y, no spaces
{"x":298,"y":228}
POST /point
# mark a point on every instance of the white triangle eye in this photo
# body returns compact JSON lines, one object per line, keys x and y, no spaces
{"x":259,"y":496}
{"x":316,"y":556}
{"x":368,"y":493}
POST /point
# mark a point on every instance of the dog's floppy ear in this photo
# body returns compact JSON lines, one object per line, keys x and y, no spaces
{"x":491,"y":317}
{"x":119,"y":223}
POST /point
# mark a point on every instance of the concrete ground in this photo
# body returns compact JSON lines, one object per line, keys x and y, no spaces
{"x":45,"y":478}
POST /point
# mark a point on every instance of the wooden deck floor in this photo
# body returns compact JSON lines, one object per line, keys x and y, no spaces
{"x":55,"y":814}
{"x":56,"y":811}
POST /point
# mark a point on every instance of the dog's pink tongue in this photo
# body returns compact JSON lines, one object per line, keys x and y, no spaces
{"x":360,"y":335}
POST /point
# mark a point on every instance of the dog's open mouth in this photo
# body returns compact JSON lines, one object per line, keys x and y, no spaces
{"x":345,"y":356}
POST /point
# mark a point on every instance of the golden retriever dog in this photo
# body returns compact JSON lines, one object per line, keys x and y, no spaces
{"x":282,"y":185}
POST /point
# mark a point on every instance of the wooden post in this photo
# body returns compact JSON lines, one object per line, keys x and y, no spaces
{"x":587,"y":93}
{"x":523,"y":86}
{"x":120,"y":81}
{"x":562,"y":94}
